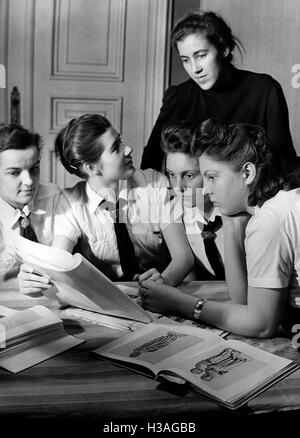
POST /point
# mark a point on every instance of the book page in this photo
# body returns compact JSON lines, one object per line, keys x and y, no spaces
{"x":230,"y":370}
{"x":26,"y":321}
{"x":158,"y":346}
{"x":5,"y":311}
{"x":79,"y":283}
{"x":39,"y":350}
{"x":42,"y":255}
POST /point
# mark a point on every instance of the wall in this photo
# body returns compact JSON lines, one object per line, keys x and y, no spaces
{"x":270,"y":33}
{"x":68,"y":58}
{"x":3,"y":58}
{"x":180,"y":8}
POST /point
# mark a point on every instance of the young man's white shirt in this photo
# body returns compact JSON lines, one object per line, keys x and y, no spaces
{"x":42,"y":213}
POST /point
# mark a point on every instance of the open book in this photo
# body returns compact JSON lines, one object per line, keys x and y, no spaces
{"x":30,"y":336}
{"x":78,"y":282}
{"x":92,"y":296}
{"x":229,"y":372}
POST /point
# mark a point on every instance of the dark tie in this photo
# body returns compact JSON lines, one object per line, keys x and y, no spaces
{"x":128,"y":260}
{"x":209,"y":234}
{"x":26,"y":229}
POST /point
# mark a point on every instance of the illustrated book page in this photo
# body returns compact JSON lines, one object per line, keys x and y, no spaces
{"x":230,"y":372}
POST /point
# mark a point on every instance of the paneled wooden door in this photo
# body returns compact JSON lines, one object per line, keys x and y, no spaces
{"x":89,"y":56}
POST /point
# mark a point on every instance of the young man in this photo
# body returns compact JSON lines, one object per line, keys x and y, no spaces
{"x":26,"y":206}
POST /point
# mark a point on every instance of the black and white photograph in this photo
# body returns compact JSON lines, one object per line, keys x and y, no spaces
{"x":149,"y":216}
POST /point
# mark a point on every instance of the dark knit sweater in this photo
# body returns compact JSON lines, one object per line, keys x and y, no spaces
{"x":248,"y":97}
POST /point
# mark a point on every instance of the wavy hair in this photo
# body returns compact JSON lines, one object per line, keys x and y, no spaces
{"x":212,"y":26}
{"x":17,"y":137}
{"x":177,"y":137}
{"x":238,"y":144}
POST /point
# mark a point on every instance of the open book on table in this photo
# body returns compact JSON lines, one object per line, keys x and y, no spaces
{"x":30,"y":336}
{"x":230,"y":372}
{"x":79,"y":283}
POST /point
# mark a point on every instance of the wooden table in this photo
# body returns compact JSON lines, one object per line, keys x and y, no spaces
{"x":77,"y":387}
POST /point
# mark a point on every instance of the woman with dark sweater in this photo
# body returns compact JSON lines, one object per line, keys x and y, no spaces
{"x":217,"y":89}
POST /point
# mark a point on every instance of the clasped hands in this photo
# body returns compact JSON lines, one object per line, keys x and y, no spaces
{"x":33,"y":283}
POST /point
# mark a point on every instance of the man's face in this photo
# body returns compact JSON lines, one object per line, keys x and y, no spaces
{"x":19,"y":175}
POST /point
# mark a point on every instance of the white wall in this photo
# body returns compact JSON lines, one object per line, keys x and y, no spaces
{"x":270,"y":32}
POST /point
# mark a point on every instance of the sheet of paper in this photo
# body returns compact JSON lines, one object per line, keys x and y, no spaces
{"x":36,"y":354}
{"x":5,"y":311}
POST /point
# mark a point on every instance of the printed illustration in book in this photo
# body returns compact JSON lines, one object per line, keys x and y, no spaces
{"x":230,"y":372}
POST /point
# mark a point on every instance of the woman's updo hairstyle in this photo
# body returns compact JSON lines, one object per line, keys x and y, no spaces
{"x":212,"y":26}
{"x":238,"y":144}
{"x":177,"y":137}
{"x":78,"y":142}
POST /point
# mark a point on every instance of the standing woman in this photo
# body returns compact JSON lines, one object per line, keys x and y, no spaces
{"x":217,"y":89}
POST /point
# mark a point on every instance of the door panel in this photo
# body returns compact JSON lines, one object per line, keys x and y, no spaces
{"x":70,"y":57}
{"x":93,"y":56}
{"x":270,"y":32}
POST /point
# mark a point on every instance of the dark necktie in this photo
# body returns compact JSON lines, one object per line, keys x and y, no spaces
{"x":209,"y":234}
{"x":26,"y":229}
{"x":128,"y":260}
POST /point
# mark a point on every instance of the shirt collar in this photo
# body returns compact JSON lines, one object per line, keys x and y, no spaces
{"x":197,"y":214}
{"x":214,"y":214}
{"x":94,"y":199}
{"x":10,"y":215}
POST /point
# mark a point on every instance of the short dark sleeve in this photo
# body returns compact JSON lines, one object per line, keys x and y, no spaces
{"x":152,"y":154}
{"x":278,"y":122}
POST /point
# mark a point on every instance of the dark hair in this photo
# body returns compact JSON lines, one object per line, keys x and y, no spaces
{"x":17,"y":137}
{"x":214,"y":28}
{"x":77,"y":143}
{"x":239,"y":143}
{"x":177,"y":137}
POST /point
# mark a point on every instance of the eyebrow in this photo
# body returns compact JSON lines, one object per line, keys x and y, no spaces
{"x":17,"y":168}
{"x":185,"y":171}
{"x":195,"y":53}
{"x":116,"y":142}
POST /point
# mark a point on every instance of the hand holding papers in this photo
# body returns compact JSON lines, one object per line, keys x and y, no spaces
{"x":78,"y":282}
